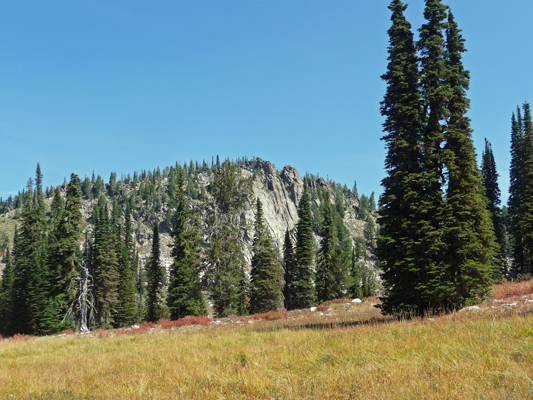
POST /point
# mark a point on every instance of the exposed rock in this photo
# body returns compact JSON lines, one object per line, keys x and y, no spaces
{"x":357,"y":301}
{"x":471,"y":308}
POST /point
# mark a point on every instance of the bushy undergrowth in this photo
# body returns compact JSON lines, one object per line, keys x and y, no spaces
{"x":281,"y":313}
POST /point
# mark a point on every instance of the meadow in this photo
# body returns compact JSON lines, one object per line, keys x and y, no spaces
{"x":346,"y":351}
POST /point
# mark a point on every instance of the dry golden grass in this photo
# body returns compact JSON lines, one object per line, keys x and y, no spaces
{"x":473,"y":355}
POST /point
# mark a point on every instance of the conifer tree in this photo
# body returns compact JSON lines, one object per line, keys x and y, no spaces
{"x":156,"y":280}
{"x":492,"y":192}
{"x":105,"y":266}
{"x":265,"y":279}
{"x":184,"y":294}
{"x":6,"y":295}
{"x":289,"y":276}
{"x":399,"y":244}
{"x":65,"y":255}
{"x":355,"y":289}
{"x":326,"y":285}
{"x":304,"y":289}
{"x":468,"y":236}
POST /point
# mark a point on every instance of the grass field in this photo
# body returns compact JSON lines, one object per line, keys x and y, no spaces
{"x":349,"y":352}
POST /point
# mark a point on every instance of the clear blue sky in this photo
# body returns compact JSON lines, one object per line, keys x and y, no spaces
{"x":129,"y":85}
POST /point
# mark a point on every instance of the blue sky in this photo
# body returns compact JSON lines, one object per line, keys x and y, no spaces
{"x":129,"y":85}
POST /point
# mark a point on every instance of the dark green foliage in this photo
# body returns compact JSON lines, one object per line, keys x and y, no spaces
{"x":156,"y":279}
{"x":265,"y":279}
{"x":492,"y":193}
{"x":304,"y":290}
{"x":105,"y":266}
{"x":468,"y":234}
{"x":435,"y":249}
{"x":65,"y":254}
{"x":326,"y":285}
{"x":6,"y":295}
{"x":289,"y":266}
{"x":521,"y":191}
{"x":184,"y":294}
{"x":356,"y":291}
{"x":127,"y":313}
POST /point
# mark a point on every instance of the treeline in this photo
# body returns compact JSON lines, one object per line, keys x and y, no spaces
{"x":55,"y":279}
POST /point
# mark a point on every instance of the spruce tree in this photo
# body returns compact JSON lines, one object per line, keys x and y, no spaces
{"x":304,"y":289}
{"x":356,"y":291}
{"x":184,"y":293}
{"x":326,"y":285}
{"x":289,"y":267}
{"x":266,"y":275}
{"x":156,"y":280}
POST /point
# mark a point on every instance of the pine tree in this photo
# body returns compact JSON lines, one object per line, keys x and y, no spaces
{"x":156,"y":280}
{"x":289,"y":266}
{"x":265,"y":279}
{"x":304,"y":290}
{"x":184,"y":294}
{"x":326,"y":285}
{"x":492,"y":192}
{"x":399,"y":244}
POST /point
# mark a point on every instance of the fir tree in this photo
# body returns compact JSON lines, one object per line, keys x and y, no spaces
{"x":304,"y":290}
{"x":6,"y":295}
{"x":184,"y":294}
{"x":156,"y":280}
{"x":265,"y":279}
{"x":356,"y":291}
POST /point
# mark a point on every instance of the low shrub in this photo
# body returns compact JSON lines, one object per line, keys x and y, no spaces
{"x":515,"y":288}
{"x":188,"y":320}
{"x":281,"y":313}
{"x":102,"y":333}
{"x":20,"y":337}
{"x":67,"y":332}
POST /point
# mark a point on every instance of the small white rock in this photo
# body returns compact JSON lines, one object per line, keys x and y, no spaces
{"x":312,"y":309}
{"x":471,"y":308}
{"x":357,"y":301}
{"x":135,"y":326}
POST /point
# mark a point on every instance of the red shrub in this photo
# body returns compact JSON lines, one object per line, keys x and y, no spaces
{"x":20,"y":337}
{"x":281,"y":313}
{"x":102,"y":333}
{"x":186,"y":321}
{"x":510,"y":289}
{"x":1,"y":337}
{"x":67,"y":332}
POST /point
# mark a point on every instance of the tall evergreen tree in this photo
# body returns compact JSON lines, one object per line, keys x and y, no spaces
{"x":492,"y":192}
{"x":304,"y":289}
{"x":184,"y":294}
{"x":65,"y":255}
{"x":468,"y":235}
{"x":105,"y":266}
{"x":156,"y":280}
{"x":401,"y":215}
{"x":6,"y":295}
{"x":266,"y":275}
{"x":326,"y":285}
{"x":289,"y":266}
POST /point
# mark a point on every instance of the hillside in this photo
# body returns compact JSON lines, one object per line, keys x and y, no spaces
{"x":150,"y":195}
